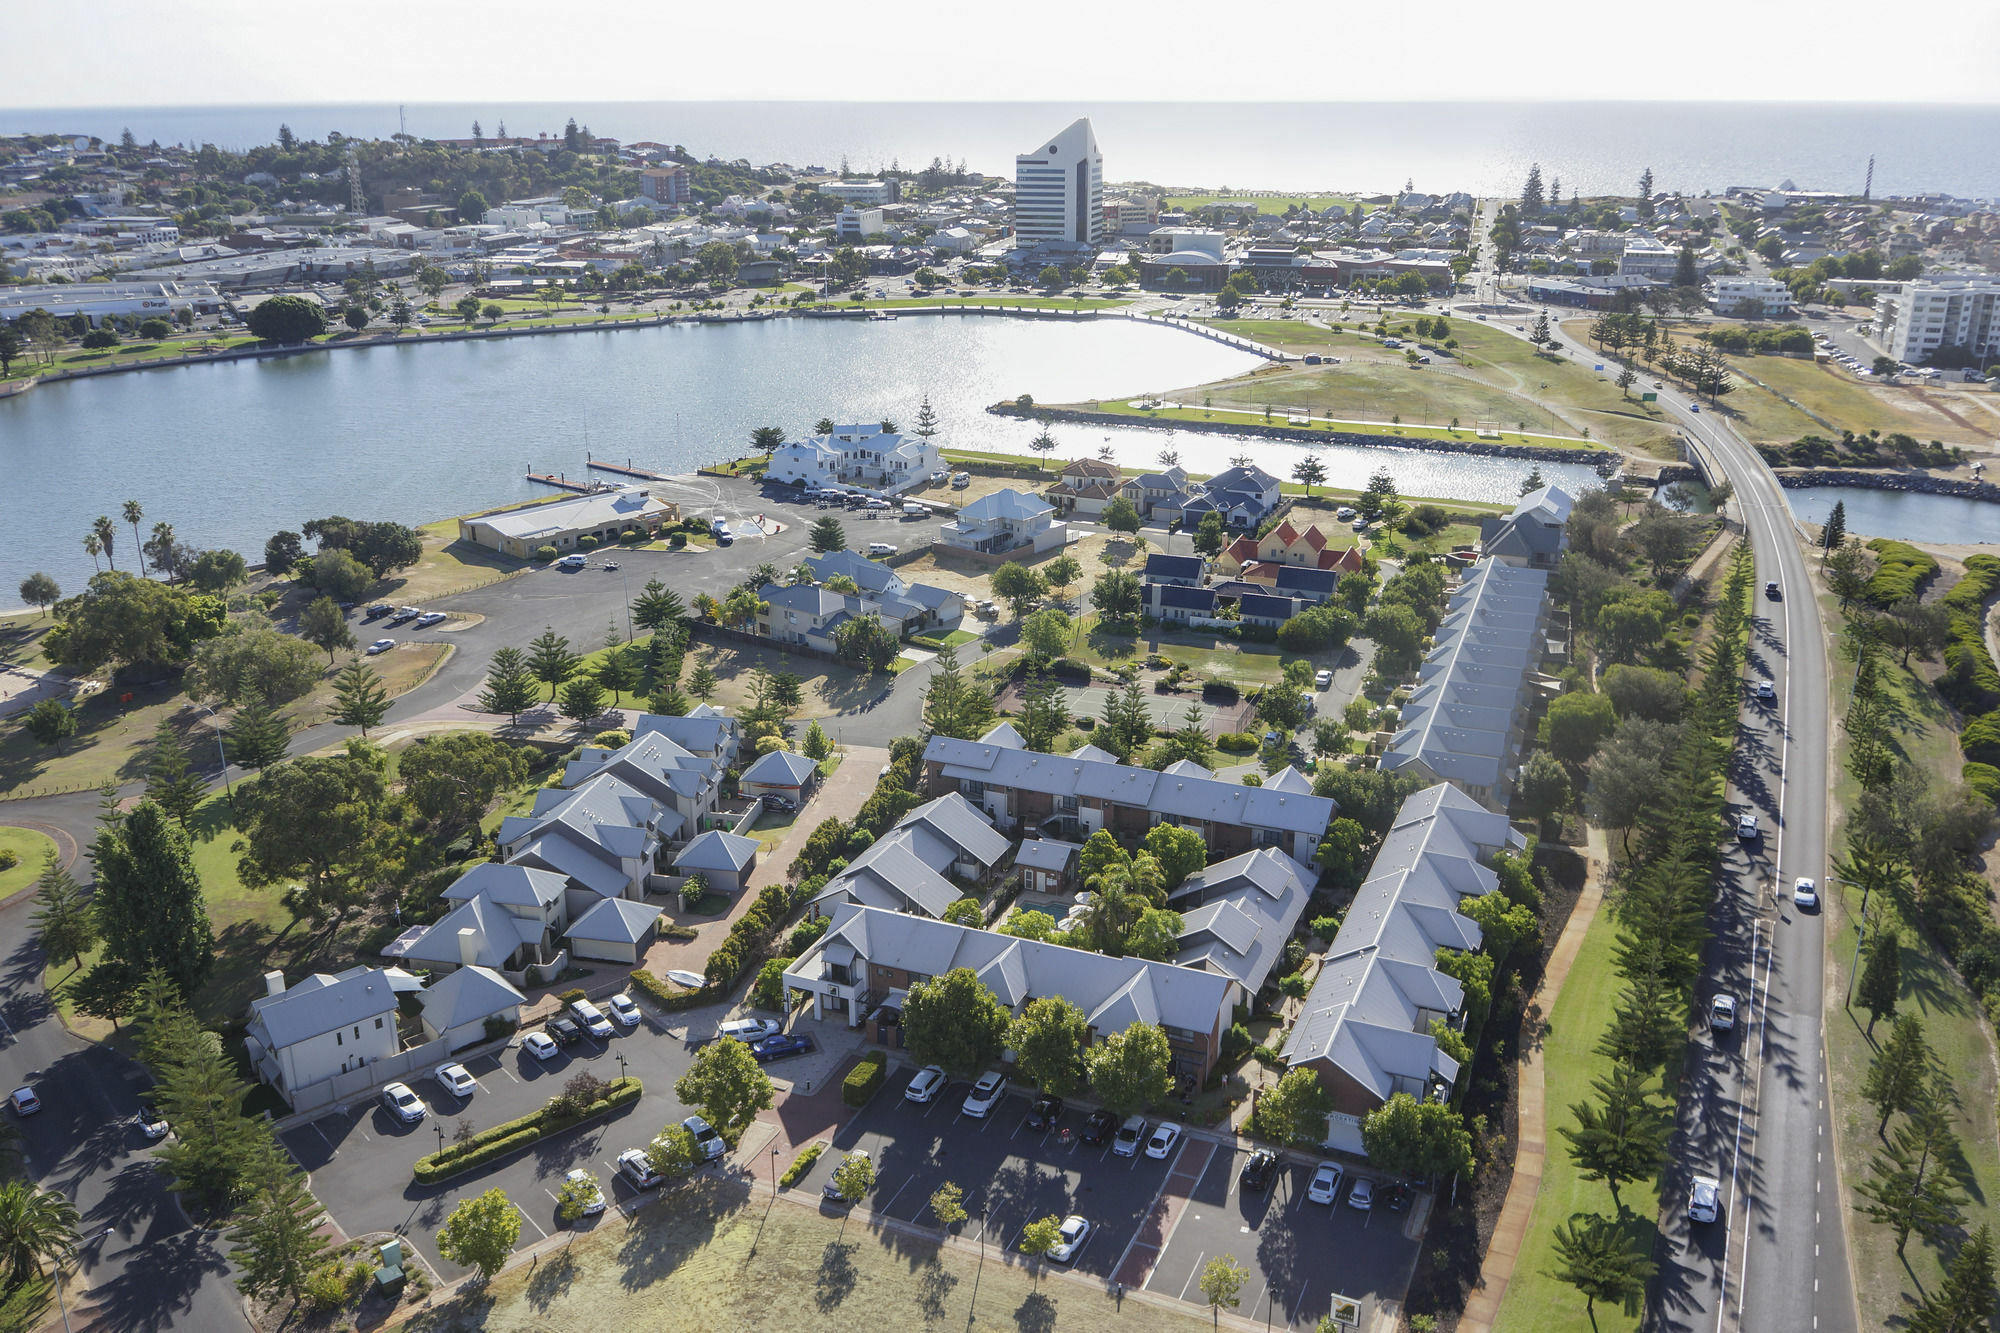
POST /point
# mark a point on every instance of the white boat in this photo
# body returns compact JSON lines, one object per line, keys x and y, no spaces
{"x":692,"y":980}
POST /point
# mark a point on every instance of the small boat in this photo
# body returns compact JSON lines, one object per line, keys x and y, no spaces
{"x":692,"y":980}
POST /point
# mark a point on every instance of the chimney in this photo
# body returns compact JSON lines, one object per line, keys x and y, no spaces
{"x":468,"y":946}
{"x":274,"y":983}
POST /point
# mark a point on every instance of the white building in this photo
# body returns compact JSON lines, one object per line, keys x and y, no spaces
{"x":325,"y":1025}
{"x":603,"y":515}
{"x":108,"y":298}
{"x":1059,"y":190}
{"x":862,"y":192}
{"x":1756,"y":297}
{"x":1004,"y":521}
{"x":1927,"y":316}
{"x":855,"y":223}
{"x":858,"y":455}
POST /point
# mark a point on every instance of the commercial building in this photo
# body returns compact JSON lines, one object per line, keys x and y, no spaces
{"x":855,"y":223}
{"x":96,"y":299}
{"x":1926,"y":317}
{"x":668,"y":185}
{"x":864,"y":192}
{"x":1059,"y":190}
{"x":560,"y":523}
{"x":1749,"y":298}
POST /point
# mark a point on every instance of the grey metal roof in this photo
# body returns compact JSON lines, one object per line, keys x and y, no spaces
{"x":319,"y":1004}
{"x":965,"y":826}
{"x":1160,"y":565}
{"x":781,"y":768}
{"x":702,"y":731}
{"x":868,"y":575}
{"x":499,"y":934}
{"x":1046,"y":854}
{"x":717,"y":850}
{"x":1004,"y":504}
{"x":618,"y":920}
{"x":1264,"y":893}
{"x":1537,"y":527}
{"x":1181,"y":598}
{"x":469,"y":995}
{"x":513,"y":886}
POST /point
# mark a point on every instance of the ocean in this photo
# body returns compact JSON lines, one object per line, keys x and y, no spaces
{"x":1479,"y":147}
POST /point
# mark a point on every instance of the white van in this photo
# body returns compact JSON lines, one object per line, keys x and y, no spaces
{"x":880,"y":548}
{"x":573,"y":562}
{"x":911,"y":509}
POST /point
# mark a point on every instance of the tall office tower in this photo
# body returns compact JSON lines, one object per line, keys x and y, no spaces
{"x":1059,"y":190}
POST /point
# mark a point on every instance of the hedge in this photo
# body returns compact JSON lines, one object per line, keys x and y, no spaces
{"x":1984,"y":779}
{"x":671,"y":997}
{"x":1900,"y":571}
{"x":801,"y":1164}
{"x":512,"y":1135}
{"x":1970,"y":680}
{"x":865,"y":1079}
{"x":1236,"y":742}
{"x":1981,"y":739}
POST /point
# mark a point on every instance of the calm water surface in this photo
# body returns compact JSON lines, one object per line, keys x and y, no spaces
{"x":1906,"y":515}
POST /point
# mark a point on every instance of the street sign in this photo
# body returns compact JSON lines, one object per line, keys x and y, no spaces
{"x":1346,"y":1312}
{"x":1649,"y":397}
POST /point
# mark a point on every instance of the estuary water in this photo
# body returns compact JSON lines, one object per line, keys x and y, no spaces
{"x":230,"y":453}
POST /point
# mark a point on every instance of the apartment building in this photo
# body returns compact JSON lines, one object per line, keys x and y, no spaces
{"x":1925,"y":317}
{"x":1756,"y":298}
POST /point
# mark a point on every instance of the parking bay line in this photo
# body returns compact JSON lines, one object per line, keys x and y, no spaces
{"x":531,"y":1221}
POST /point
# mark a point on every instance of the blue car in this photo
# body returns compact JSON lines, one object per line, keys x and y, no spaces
{"x":779,"y":1046}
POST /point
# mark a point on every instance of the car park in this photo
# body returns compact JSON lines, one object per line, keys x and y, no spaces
{"x":747,"y":1030}
{"x":1704,"y":1199}
{"x":429,"y":618}
{"x":1805,"y":894}
{"x":404,"y":1104}
{"x":1069,"y":1240}
{"x":1361,"y":1195}
{"x":1042,"y":1116}
{"x":637,"y":1169}
{"x":929,"y":1081}
{"x":1097,"y":1127}
{"x":24,"y":1101}
{"x":985,"y":1095}
{"x":1165,"y":1135}
{"x":1722,"y":1012}
{"x":587,"y":1188}
{"x":151,"y":1123}
{"x":780,"y":1045}
{"x":456,"y":1080}
{"x":380,"y":646}
{"x":538,"y":1045}
{"x":830,"y":1191}
{"x":591,"y":1019}
{"x":564,"y":1030}
{"x":1258,"y":1169}
{"x":623,"y":1010}
{"x":708,"y":1144}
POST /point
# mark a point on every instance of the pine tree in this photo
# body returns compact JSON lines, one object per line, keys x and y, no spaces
{"x":1963,"y":1302}
{"x":817,"y":744}
{"x":827,"y":536}
{"x":1911,"y":1188}
{"x":1881,"y":983}
{"x":1555,"y":193}
{"x":1646,"y":193}
{"x":278,"y":1243}
{"x":63,"y":918}
{"x":701,"y":681}
{"x":926,"y":419}
{"x":1594,"y":1256}
{"x":657,"y":606}
{"x":511,"y":687}
{"x":1895,"y":1079}
{"x":617,"y":672}
{"x":1835,"y":531}
{"x":1620,"y":1137}
{"x":550,"y":660}
{"x":171,"y":781}
{"x":1044,"y":714}
{"x":1531,"y":192}
{"x":359,"y":698}
{"x":148,"y":902}
{"x":954,"y":705}
{"x":582,"y":699}
{"x":258,"y":737}
{"x":214,"y":1145}
{"x":660,"y":662}
{"x":668,"y":701}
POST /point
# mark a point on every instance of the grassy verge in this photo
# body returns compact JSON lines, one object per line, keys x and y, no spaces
{"x":1313,"y":391}
{"x":713,"y":1257}
{"x":1536,"y":1302}
{"x":30,"y":849}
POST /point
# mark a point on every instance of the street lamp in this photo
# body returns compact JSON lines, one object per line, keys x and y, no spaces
{"x":774,"y":1172}
{"x":223,"y":755}
{"x":621,"y":1066}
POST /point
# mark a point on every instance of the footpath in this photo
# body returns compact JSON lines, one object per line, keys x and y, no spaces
{"x":1531,"y":1119}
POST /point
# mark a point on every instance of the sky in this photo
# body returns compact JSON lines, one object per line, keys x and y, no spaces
{"x":218,"y":52}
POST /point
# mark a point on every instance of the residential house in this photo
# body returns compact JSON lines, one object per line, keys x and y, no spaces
{"x":457,"y":1008}
{"x":779,"y":773}
{"x":1085,"y":487}
{"x":508,"y":918}
{"x":1493,"y":637}
{"x":1047,"y":865}
{"x":617,"y":930}
{"x":684,"y":782}
{"x":1535,"y":535}
{"x":808,"y":615}
{"x":861,"y":971}
{"x":605,"y":836}
{"x":1242,"y":495}
{"x":1072,"y":796}
{"x":1184,"y":571}
{"x":723,"y":860}
{"x":921,"y":607}
{"x":1158,"y":496}
{"x":1366,"y":1030}
{"x":704,"y":732}
{"x":1003,"y":522}
{"x":1175,"y":602}
{"x":858,"y":455}
{"x":918,"y":865}
{"x":325,"y":1025}
{"x":1287,"y":544}
{"x":1238,"y":913}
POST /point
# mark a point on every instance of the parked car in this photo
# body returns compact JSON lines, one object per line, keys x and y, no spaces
{"x":1098,"y":1126}
{"x":985,"y":1095}
{"x":404,"y":1104}
{"x":777,"y":1047}
{"x":637,"y":1169}
{"x":1805,"y":894}
{"x":456,"y":1080}
{"x":709,"y":1144}
{"x":1361,"y":1196}
{"x":1126,"y":1142}
{"x":1258,"y":1170}
{"x":1165,"y":1135}
{"x":929,"y":1081}
{"x":24,"y":1101}
{"x":911,"y":509}
{"x":608,"y":566}
{"x":880,"y":549}
{"x":376,"y":611}
{"x":1722,"y":1012}
{"x":1075,"y":1231}
{"x":830,"y":1190}
{"x":1704,"y":1199}
{"x":747,"y":1030}
{"x":779,"y":803}
{"x":591,"y":1019}
{"x":538,"y":1045}
{"x":569,"y":564}
{"x":1322,"y":679}
{"x":564,"y":1030}
{"x":623,"y":1010}
{"x":1397,"y":1198}
{"x":151,"y":1123}
{"x":1325,"y":1184}
{"x":1042,"y":1116}
{"x":380,"y":646}
{"x":961,"y":481}
{"x":592,"y":1192}
{"x":429,"y":618}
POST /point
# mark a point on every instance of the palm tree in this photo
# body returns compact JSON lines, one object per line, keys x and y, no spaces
{"x":163,"y":548}
{"x":107,"y":538}
{"x":34,"y":1225}
{"x":95,"y":547}
{"x":133,"y":513}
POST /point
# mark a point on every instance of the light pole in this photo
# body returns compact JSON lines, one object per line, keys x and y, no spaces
{"x":621,"y":1066}
{"x":774,"y":1172}
{"x":228,"y":789}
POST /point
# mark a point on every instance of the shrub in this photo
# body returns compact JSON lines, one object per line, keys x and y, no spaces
{"x":498,"y":1027}
{"x":1236,"y":742}
{"x":670,"y":997}
{"x":1981,"y":739}
{"x":676,"y":540}
{"x":801,"y":1164}
{"x":440,"y":1167}
{"x":1970,"y":680}
{"x":1984,"y":779}
{"x":586,"y":543}
{"x":9,"y":858}
{"x":1086,"y":723}
{"x":545,"y":553}
{"x":1901,"y":570}
{"x":333,"y":1284}
{"x":572,"y":995}
{"x":865,"y":1079}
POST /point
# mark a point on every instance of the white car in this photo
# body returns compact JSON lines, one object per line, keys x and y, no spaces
{"x":1704,"y":1199}
{"x":1805,"y":894}
{"x":1766,"y":691}
{"x":380,"y":646}
{"x":404,"y":1104}
{"x":592,"y":1018}
{"x":876,"y":549}
{"x":151,"y":1123}
{"x":985,"y":1095}
{"x":429,"y":618}
{"x":926,"y":1085}
{"x":1126,"y":1141}
{"x":1345,"y":513}
{"x":623,"y":1010}
{"x":707,"y":1142}
{"x":456,"y":1080}
{"x":1165,"y":1135}
{"x":1722,"y":1012}
{"x":1322,"y":679}
{"x":1325,"y":1185}
{"x":540,"y":1045}
{"x":1075,"y":1231}
{"x":637,"y":1169}
{"x":1746,"y":826}
{"x":747,"y":1030}
{"x":593,"y":1197}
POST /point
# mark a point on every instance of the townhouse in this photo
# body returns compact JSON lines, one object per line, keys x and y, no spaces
{"x":1535,"y":535}
{"x":1004,"y":522}
{"x":1085,"y":487}
{"x":860,"y":455}
{"x":922,"y":863}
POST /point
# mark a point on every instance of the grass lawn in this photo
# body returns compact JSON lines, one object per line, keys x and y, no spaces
{"x":1264,"y":203}
{"x":1536,"y":1302}
{"x":1009,"y":302}
{"x":719,"y":1257}
{"x":1309,"y":392}
{"x":125,"y":354}
{"x":1287,"y":335}
{"x":108,"y":744}
{"x":1244,"y":662}
{"x":30,"y":849}
{"x":1842,"y":400}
